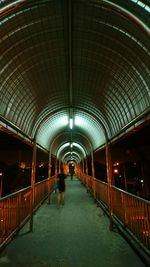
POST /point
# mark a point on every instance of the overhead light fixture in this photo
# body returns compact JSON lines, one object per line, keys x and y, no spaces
{"x":71,"y":145}
{"x":71,"y":123}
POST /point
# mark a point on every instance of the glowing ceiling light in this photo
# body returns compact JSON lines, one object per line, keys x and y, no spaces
{"x":79,"y":121}
{"x":71,"y":123}
{"x":64,"y":120}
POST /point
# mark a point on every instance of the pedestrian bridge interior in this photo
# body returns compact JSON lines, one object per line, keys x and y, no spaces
{"x":75,"y":83}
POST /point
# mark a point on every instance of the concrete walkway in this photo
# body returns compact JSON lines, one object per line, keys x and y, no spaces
{"x":74,"y":235}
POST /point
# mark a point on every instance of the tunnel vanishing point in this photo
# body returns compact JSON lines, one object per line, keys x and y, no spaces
{"x":75,"y":91}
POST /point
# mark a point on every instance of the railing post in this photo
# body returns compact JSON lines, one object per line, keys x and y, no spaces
{"x":109,"y":178}
{"x":32,"y":197}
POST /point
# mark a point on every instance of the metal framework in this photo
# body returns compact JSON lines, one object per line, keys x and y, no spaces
{"x":85,"y":60}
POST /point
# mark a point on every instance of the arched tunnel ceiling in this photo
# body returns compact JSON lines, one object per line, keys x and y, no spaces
{"x":73,"y":148}
{"x":58,"y":125}
{"x":84,"y":59}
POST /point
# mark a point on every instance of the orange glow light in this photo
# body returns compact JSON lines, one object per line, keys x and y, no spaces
{"x":116,"y":164}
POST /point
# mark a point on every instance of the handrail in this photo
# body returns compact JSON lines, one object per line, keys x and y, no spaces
{"x":14,"y":193}
{"x":22,"y":190}
{"x":15,"y":208}
{"x":132,"y":211}
{"x":130,"y":194}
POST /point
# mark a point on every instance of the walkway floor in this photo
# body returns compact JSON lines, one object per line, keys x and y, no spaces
{"x":74,"y":235}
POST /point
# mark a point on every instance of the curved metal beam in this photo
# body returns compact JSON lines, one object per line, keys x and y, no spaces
{"x":68,"y":153}
{"x":127,"y":14}
{"x":104,"y":3}
{"x":72,"y":153}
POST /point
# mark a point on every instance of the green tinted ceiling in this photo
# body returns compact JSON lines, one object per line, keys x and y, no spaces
{"x":88,"y":60}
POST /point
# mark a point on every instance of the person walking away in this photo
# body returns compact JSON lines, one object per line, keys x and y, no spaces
{"x":71,"y":172}
{"x":61,"y":186}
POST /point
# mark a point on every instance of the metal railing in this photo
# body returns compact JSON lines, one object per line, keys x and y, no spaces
{"x":132,"y":211}
{"x":15,"y":208}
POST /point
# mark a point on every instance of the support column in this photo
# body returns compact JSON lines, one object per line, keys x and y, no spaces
{"x":125,"y":178}
{"x":109,"y":181}
{"x":49,"y":176}
{"x":83,"y":165}
{"x":1,"y":184}
{"x":60,"y":166}
{"x":92,"y":162}
{"x":93,"y":176}
{"x":56,"y":167}
{"x":86,"y":166}
{"x":32,"y":197}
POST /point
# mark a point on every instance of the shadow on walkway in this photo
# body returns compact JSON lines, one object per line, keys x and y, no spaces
{"x":74,"y":235}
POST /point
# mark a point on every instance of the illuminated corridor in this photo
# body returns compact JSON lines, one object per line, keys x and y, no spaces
{"x":75,"y":94}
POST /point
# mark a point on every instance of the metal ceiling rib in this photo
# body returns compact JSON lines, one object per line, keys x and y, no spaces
{"x":89,"y":59}
{"x":72,"y":152}
{"x":75,"y":137}
{"x":71,"y":147}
